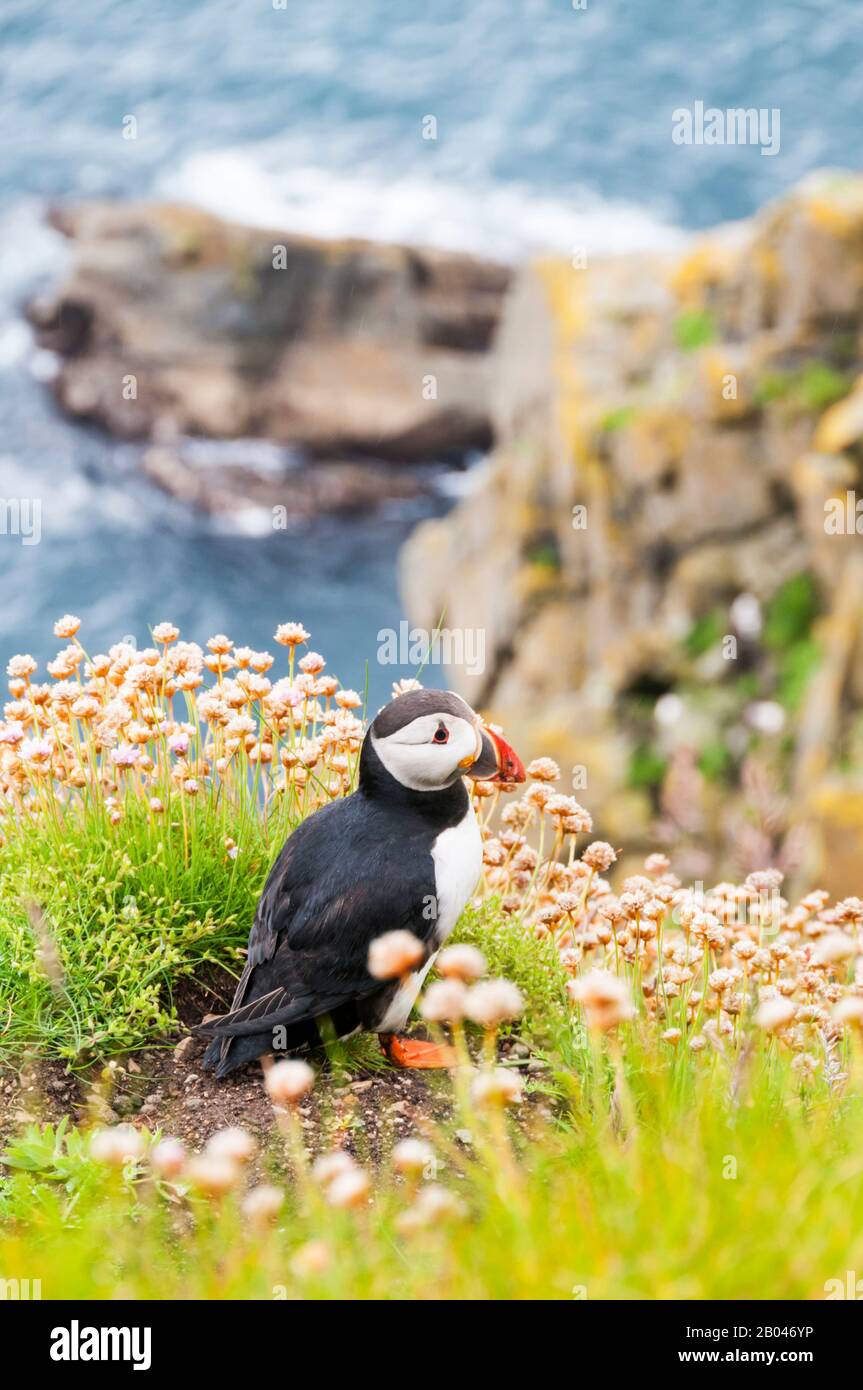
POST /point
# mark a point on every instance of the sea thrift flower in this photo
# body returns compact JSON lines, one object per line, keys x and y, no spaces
{"x":461,"y":963}
{"x":117,"y":1145}
{"x":412,"y":1156}
{"x":219,"y":662}
{"x":349,"y":1189}
{"x":215,"y":1176}
{"x":764,"y":880}
{"x":263,"y":1204}
{"x":433,"y":1204}
{"x":436,"y":1203}
{"x":288,"y":1081}
{"x":850,"y":1011}
{"x":394,"y":954}
{"x":312,"y":1258}
{"x":22,"y":666}
{"x":657,"y":864}
{"x":67,"y":626}
{"x":234,"y":1144}
{"x":599,"y":856}
{"x":834,"y":947}
{"x":538,"y":795}
{"x":849,"y":910}
{"x":543,"y":770}
{"x":496,"y":1087}
{"x":127,"y":755}
{"x":494,"y":1002}
{"x":291,"y":634}
{"x":168,"y":1158}
{"x":605,"y":998}
{"x":36,"y":750}
{"x":493,"y":853}
{"x":331,"y":1166}
{"x":775,"y":1014}
{"x":444,"y":1002}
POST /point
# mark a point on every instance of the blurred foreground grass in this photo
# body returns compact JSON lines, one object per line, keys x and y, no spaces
{"x":671,"y":1190}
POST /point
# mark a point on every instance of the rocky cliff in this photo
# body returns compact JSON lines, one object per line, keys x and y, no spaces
{"x":667,"y":607}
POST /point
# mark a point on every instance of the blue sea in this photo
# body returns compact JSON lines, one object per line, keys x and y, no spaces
{"x":553,"y":130}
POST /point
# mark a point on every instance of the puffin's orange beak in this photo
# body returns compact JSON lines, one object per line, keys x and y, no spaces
{"x":496,"y":761}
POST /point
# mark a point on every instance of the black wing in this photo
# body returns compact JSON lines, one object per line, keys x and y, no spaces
{"x":332,"y":890}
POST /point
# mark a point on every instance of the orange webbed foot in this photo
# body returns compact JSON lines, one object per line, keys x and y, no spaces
{"x":411,"y":1052}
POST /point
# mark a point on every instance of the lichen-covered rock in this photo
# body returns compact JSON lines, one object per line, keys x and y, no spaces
{"x":171,"y":321}
{"x":670,"y":433}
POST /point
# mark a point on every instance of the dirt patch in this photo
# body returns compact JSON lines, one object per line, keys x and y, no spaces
{"x":166,"y":1089}
{"x":42,"y":1092}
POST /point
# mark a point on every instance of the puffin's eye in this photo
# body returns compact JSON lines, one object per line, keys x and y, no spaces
{"x":441,"y":734}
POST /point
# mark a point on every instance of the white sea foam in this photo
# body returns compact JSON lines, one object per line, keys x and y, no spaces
{"x":32,"y":251}
{"x":257,"y":186}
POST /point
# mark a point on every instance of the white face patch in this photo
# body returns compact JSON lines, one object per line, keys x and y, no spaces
{"x":430,"y":752}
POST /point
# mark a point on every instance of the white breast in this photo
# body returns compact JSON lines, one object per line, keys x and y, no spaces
{"x":457,"y":856}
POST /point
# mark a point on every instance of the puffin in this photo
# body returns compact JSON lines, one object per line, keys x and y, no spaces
{"x":403,"y":851}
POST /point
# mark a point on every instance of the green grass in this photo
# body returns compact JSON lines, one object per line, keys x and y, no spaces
{"x":99,"y":924}
{"x":531,"y":962}
{"x":679,"y":1192}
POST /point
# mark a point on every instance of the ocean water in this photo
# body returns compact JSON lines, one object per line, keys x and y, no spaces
{"x":553,"y":130}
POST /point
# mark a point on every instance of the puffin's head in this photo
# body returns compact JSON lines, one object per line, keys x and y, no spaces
{"x":427,"y":739}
